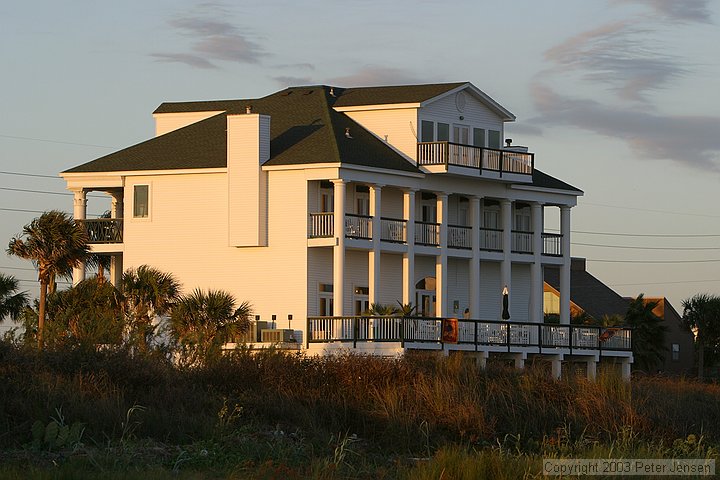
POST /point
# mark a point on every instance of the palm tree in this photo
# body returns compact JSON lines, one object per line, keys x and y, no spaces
{"x":202,"y":322}
{"x":648,"y":333}
{"x":701,"y":315}
{"x":88,"y":314}
{"x":380,"y":310}
{"x":12,"y":302}
{"x":148,"y":293}
{"x":56,"y":244}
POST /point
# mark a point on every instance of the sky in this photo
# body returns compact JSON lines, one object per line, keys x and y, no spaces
{"x":613,"y":96}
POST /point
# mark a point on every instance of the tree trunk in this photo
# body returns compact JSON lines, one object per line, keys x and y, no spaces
{"x":701,"y":362}
{"x":41,"y":313}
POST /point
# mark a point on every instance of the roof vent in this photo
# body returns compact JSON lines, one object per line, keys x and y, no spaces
{"x":347,"y":133}
{"x":508,"y":142}
{"x":248,"y":109}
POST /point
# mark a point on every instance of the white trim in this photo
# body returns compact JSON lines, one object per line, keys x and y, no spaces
{"x":381,"y":106}
{"x":133,"y":173}
{"x":478,"y":94}
{"x":532,"y":188}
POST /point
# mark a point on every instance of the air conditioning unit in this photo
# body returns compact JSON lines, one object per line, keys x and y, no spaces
{"x":253,"y":333}
{"x":277,"y":335}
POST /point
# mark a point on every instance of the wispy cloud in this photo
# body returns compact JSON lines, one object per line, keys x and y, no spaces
{"x":290,"y":81}
{"x":630,"y":57}
{"x":678,"y":10}
{"x":373,"y":75}
{"x":620,"y":55}
{"x":213,"y":38}
{"x":689,"y":140}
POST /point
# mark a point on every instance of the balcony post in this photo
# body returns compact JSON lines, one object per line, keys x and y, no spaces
{"x":441,"y":262}
{"x":79,"y":213}
{"x":117,"y":210}
{"x":565,"y":267}
{"x":536,"y":273}
{"x":475,"y":259}
{"x":408,"y":260}
{"x":339,"y":188}
{"x":374,"y":253}
{"x":506,"y":264}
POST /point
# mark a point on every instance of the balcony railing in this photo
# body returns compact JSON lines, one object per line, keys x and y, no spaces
{"x":522,"y":242}
{"x":321,"y":225}
{"x":358,"y":226}
{"x":422,"y":330}
{"x":491,"y":239}
{"x":104,"y":230}
{"x":496,"y":160}
{"x":427,"y":233}
{"x":552,"y":244}
{"x":459,"y":237}
{"x":393,"y":230}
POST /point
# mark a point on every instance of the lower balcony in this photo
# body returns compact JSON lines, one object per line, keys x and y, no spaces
{"x":427,"y":333}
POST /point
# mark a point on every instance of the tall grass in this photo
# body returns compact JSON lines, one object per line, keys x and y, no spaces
{"x":344,"y":416}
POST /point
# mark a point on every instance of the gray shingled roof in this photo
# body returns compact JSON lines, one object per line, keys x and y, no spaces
{"x":587,"y":292}
{"x":304,"y":129}
{"x":350,"y":97}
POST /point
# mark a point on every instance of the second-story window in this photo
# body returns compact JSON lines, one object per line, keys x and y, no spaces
{"x":461,"y":134}
{"x":326,"y":197}
{"x":427,"y":131}
{"x":141,"y":201}
{"x":479,"y":137}
{"x":443,"y":132}
{"x":494,"y":138}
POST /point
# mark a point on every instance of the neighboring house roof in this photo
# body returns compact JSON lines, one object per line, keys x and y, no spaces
{"x":587,"y":292}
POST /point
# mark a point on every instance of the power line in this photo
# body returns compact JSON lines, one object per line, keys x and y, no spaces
{"x":652,"y":261}
{"x":650,"y":210}
{"x":16,"y":137}
{"x":34,"y":191}
{"x":668,"y":235}
{"x":645,"y":248}
{"x":21,"y":210}
{"x":660,"y":283}
{"x":55,"y":177}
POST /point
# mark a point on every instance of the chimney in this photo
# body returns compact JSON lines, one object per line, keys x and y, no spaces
{"x":248,"y":147}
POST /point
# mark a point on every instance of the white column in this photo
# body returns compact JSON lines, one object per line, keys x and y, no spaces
{"x":117,"y":210}
{"x":565,"y":267}
{"x":409,"y":255}
{"x":626,"y":369}
{"x":506,"y":264}
{"x":556,"y":366}
{"x":79,"y":213}
{"x":374,"y":254}
{"x":339,"y":248}
{"x":441,"y":262}
{"x":592,"y":368}
{"x":536,"y":273}
{"x":475,"y":260}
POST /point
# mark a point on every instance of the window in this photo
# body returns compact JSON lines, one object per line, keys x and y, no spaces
{"x":325,"y":307}
{"x":551,"y":303}
{"x":363,"y":203}
{"x":443,"y":132}
{"x":676,"y":351}
{"x":326,"y":200}
{"x":479,"y":137}
{"x":493,"y":139}
{"x":141,"y":201}
{"x":426,"y":131}
{"x":362,"y":303}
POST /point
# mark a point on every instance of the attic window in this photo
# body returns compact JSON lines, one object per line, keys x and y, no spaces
{"x":460,"y":101}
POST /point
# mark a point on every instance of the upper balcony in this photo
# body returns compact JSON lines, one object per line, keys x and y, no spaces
{"x":449,"y":157}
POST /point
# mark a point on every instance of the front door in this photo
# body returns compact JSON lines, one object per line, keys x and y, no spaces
{"x":425,"y":300}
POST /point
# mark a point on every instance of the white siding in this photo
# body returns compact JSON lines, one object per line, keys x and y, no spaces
{"x":356,"y":275}
{"x":167,"y":122}
{"x":392,"y":203}
{"x":475,"y":114}
{"x":490,"y":291}
{"x":520,"y":297}
{"x":424,"y":267}
{"x":390,"y":279}
{"x":320,"y":270}
{"x":458,"y":285}
{"x":400,"y":126}
{"x":186,"y":234}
